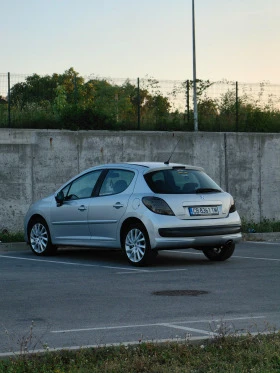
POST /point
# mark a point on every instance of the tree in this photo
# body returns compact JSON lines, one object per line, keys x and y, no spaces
{"x":82,"y":104}
{"x":37,"y":89}
{"x":3,"y":101}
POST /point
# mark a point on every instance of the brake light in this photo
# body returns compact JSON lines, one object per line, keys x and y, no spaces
{"x":232,"y":207}
{"x":157,"y":205}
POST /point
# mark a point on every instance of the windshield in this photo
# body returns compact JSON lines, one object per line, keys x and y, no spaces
{"x":180,"y":181}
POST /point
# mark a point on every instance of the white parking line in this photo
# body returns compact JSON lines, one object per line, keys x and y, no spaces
{"x":199,"y":331}
{"x":234,"y":256}
{"x":183,"y":252}
{"x":72,"y":263}
{"x":131,"y":270}
{"x":170,"y":325}
{"x":187,"y":269}
{"x":262,"y":242}
{"x":155,"y":270}
{"x":129,"y":343}
{"x":250,"y":257}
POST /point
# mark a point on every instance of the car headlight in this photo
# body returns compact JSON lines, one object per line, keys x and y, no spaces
{"x":157,"y":205}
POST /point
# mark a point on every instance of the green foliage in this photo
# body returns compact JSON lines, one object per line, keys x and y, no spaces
{"x":68,"y":101}
{"x":75,"y":118}
{"x":5,"y":237}
{"x":265,"y":226}
{"x":3,"y":115}
{"x":60,"y":100}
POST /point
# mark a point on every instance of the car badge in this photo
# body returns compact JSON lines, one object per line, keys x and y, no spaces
{"x":202,"y":197}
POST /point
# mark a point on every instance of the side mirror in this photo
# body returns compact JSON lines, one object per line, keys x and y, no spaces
{"x":59,"y":198}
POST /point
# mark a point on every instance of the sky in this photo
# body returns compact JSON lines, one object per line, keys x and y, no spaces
{"x":237,"y":40}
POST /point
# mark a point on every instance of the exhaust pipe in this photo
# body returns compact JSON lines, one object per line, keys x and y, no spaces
{"x":227,"y":244}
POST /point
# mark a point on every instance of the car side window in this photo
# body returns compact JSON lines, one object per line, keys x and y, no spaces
{"x":83,"y":186}
{"x":116,"y":181}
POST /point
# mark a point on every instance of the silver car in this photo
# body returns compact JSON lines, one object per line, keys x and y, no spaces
{"x":141,"y":207}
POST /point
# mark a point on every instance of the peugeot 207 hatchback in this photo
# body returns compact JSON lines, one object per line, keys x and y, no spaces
{"x":139,"y":207}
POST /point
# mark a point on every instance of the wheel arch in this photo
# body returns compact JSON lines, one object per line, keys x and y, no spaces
{"x":41,"y":242}
{"x":138,"y":248}
{"x":127,"y":223}
{"x":32,"y":219}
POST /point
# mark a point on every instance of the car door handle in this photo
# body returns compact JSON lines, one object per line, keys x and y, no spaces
{"x":118,"y":205}
{"x":82,"y":208}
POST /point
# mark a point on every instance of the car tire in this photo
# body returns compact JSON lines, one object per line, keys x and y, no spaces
{"x":136,"y":245}
{"x":219,"y":254}
{"x":40,"y":238}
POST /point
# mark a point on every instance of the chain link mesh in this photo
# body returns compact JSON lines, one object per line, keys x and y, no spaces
{"x":264,"y":95}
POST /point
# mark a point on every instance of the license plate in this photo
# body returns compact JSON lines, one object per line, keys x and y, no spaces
{"x":204,"y":211}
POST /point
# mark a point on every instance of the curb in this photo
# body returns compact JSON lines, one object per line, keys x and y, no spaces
{"x":269,"y":237}
{"x":13,"y":246}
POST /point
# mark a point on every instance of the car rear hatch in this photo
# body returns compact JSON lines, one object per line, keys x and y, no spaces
{"x":198,"y":206}
{"x":189,"y":192}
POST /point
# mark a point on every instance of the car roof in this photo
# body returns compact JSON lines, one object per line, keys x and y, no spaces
{"x":160,"y":165}
{"x":147,"y":166}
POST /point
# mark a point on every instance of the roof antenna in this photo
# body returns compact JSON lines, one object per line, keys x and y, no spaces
{"x":167,"y":162}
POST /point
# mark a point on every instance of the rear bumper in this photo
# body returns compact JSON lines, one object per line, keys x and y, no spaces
{"x":169,"y":232}
{"x":199,"y":231}
{"x":198,"y":242}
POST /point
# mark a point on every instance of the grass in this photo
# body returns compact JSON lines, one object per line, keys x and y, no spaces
{"x":6,"y":237}
{"x":265,"y":226}
{"x":260,"y":353}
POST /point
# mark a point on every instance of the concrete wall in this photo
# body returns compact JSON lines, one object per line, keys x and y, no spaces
{"x":34,"y":164}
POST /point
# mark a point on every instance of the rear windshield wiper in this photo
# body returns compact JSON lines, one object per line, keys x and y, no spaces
{"x":207,"y":190}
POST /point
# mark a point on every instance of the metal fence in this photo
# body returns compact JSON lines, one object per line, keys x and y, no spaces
{"x":220,"y":104}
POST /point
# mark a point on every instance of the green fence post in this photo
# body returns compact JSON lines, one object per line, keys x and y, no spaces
{"x":188,"y":101}
{"x":138,"y":104}
{"x":9,"y":100}
{"x":236,"y":107}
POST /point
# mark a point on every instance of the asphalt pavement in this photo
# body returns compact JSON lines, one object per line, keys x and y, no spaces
{"x":83,"y":297}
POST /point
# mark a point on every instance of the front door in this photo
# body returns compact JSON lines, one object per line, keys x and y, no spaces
{"x":69,"y":221}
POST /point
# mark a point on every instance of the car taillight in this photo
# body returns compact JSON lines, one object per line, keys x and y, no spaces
{"x":232,"y":207}
{"x":157,"y":205}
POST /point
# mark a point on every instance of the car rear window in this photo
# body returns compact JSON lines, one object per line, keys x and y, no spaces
{"x":179,"y":181}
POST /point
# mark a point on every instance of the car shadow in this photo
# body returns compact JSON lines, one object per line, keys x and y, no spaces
{"x":91,"y":254}
{"x":117,"y":257}
{"x":180,"y":259}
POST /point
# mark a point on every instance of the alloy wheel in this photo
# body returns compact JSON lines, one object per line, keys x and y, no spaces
{"x":39,"y":238}
{"x":135,"y":245}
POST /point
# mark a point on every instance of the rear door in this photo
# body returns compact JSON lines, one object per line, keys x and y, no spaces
{"x":108,"y":208}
